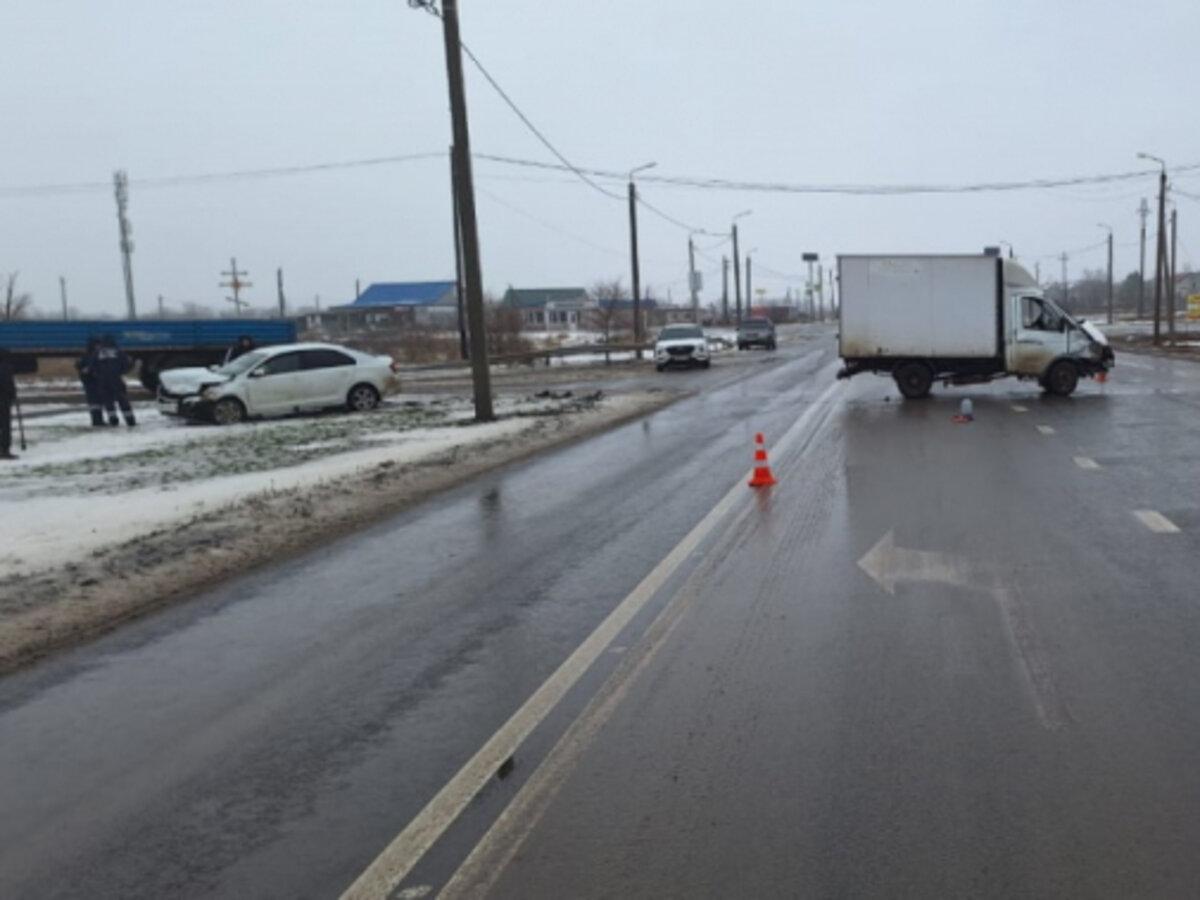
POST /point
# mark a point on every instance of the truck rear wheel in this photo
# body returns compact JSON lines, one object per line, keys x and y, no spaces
{"x":1061,"y":378}
{"x":914,"y":379}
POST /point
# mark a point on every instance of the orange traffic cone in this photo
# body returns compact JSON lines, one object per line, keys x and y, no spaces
{"x":762,"y":476}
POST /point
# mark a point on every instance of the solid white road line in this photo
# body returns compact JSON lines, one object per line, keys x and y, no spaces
{"x":1018,"y":408}
{"x":1045,"y":429}
{"x":406,"y":849}
{"x":1086,"y":462}
{"x":1156,"y":521}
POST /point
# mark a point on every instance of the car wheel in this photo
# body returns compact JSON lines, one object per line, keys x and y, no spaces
{"x":914,"y":379}
{"x":362,"y":398}
{"x":1062,"y":378}
{"x":741,"y":346}
{"x":771,"y":346}
{"x":706,"y":364}
{"x":228,"y":411}
{"x":659,"y":366}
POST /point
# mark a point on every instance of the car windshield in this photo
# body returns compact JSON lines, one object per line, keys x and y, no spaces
{"x":243,"y":363}
{"x":675,"y":332}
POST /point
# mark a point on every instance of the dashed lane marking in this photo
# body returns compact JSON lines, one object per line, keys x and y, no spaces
{"x":1156,"y":521}
{"x":1045,"y":429}
{"x":1086,"y":462}
{"x":1018,"y":408}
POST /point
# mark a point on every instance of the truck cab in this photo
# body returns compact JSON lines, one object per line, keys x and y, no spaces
{"x":1047,"y":343}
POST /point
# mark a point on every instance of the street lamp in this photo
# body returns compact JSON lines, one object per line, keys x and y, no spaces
{"x":1161,"y":252}
{"x":737,"y":267}
{"x":633,"y":254}
{"x":1110,"y":269}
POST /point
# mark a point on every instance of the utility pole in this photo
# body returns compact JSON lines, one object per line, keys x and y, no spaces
{"x":1066,"y":289}
{"x":1160,"y":252}
{"x":121,"y":188}
{"x":692,"y":280}
{"x":749,"y":290}
{"x":279,"y":291}
{"x":1110,"y":270}
{"x":472,"y":270}
{"x":62,"y":289}
{"x":1171,"y":277}
{"x":463,"y":350}
{"x":725,"y":290}
{"x":160,"y":307}
{"x":236,"y":284}
{"x":1143,"y":211}
{"x":820,"y":292}
{"x":636,"y":272}
{"x":357,"y":288}
{"x":737,"y":275}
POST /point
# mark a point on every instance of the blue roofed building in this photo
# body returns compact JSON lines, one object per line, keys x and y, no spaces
{"x":391,"y":304}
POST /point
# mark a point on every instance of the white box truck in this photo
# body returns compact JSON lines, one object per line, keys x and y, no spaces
{"x":960,"y":320}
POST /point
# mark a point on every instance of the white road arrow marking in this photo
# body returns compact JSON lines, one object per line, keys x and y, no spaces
{"x":888,"y":564}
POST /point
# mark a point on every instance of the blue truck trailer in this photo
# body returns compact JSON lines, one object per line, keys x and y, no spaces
{"x":156,"y":344}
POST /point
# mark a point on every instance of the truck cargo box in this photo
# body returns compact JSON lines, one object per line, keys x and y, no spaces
{"x":925,"y":307}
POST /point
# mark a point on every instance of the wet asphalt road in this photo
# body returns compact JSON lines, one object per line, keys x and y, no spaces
{"x":934,"y":660}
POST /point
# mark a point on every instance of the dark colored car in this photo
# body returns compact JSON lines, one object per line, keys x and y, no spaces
{"x":756,"y":333}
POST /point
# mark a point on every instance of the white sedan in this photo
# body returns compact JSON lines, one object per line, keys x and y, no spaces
{"x":278,"y":381}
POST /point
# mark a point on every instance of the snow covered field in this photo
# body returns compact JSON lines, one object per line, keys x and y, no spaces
{"x":77,"y":488}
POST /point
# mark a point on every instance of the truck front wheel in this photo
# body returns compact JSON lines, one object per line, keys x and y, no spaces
{"x":914,"y":379}
{"x":1061,"y":378}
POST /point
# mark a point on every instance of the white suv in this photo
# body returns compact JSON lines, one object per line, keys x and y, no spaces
{"x":681,"y":345}
{"x":278,"y":381}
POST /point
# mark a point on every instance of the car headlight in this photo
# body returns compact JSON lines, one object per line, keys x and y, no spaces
{"x":210,"y":393}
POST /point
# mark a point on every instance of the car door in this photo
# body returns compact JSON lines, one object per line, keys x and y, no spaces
{"x":274,"y":387}
{"x":1038,"y":336}
{"x":328,"y":374}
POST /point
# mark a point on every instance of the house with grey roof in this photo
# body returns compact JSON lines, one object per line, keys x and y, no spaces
{"x":549,"y":309}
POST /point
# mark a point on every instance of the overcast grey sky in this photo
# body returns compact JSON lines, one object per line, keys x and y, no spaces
{"x":786,"y":91}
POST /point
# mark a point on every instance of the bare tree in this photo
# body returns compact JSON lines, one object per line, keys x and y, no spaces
{"x":16,"y":306}
{"x":609,"y":316}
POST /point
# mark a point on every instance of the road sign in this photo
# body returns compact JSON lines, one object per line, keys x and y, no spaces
{"x":1193,"y":306}
{"x":811,"y":257}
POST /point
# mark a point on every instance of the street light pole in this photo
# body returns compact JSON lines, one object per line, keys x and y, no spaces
{"x":692,"y":279}
{"x":636,"y":274}
{"x":1110,"y":270}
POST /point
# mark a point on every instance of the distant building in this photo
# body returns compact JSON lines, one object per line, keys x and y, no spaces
{"x":387,"y":305}
{"x":549,"y":309}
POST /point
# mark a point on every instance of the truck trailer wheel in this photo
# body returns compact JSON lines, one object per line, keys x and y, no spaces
{"x":1061,"y":378}
{"x":914,"y":379}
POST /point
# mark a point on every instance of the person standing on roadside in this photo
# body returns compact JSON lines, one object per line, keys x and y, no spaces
{"x":111,"y":365}
{"x":241,"y":346}
{"x":8,"y":396}
{"x":86,"y":367}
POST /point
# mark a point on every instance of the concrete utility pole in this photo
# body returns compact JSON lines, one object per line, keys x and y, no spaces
{"x":121,"y":188}
{"x":1110,"y":271}
{"x":357,"y":288}
{"x":749,"y":288}
{"x":62,"y":290}
{"x":737,"y":274}
{"x":1171,"y":270}
{"x":236,"y":284}
{"x":1066,"y":289}
{"x":160,"y":307}
{"x":463,"y":349}
{"x":279,"y":291}
{"x":469,"y":229}
{"x":1143,"y":211}
{"x":725,"y":290}
{"x":820,"y":292}
{"x":692,"y":285}
{"x":1160,"y":253}
{"x":636,"y":273}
